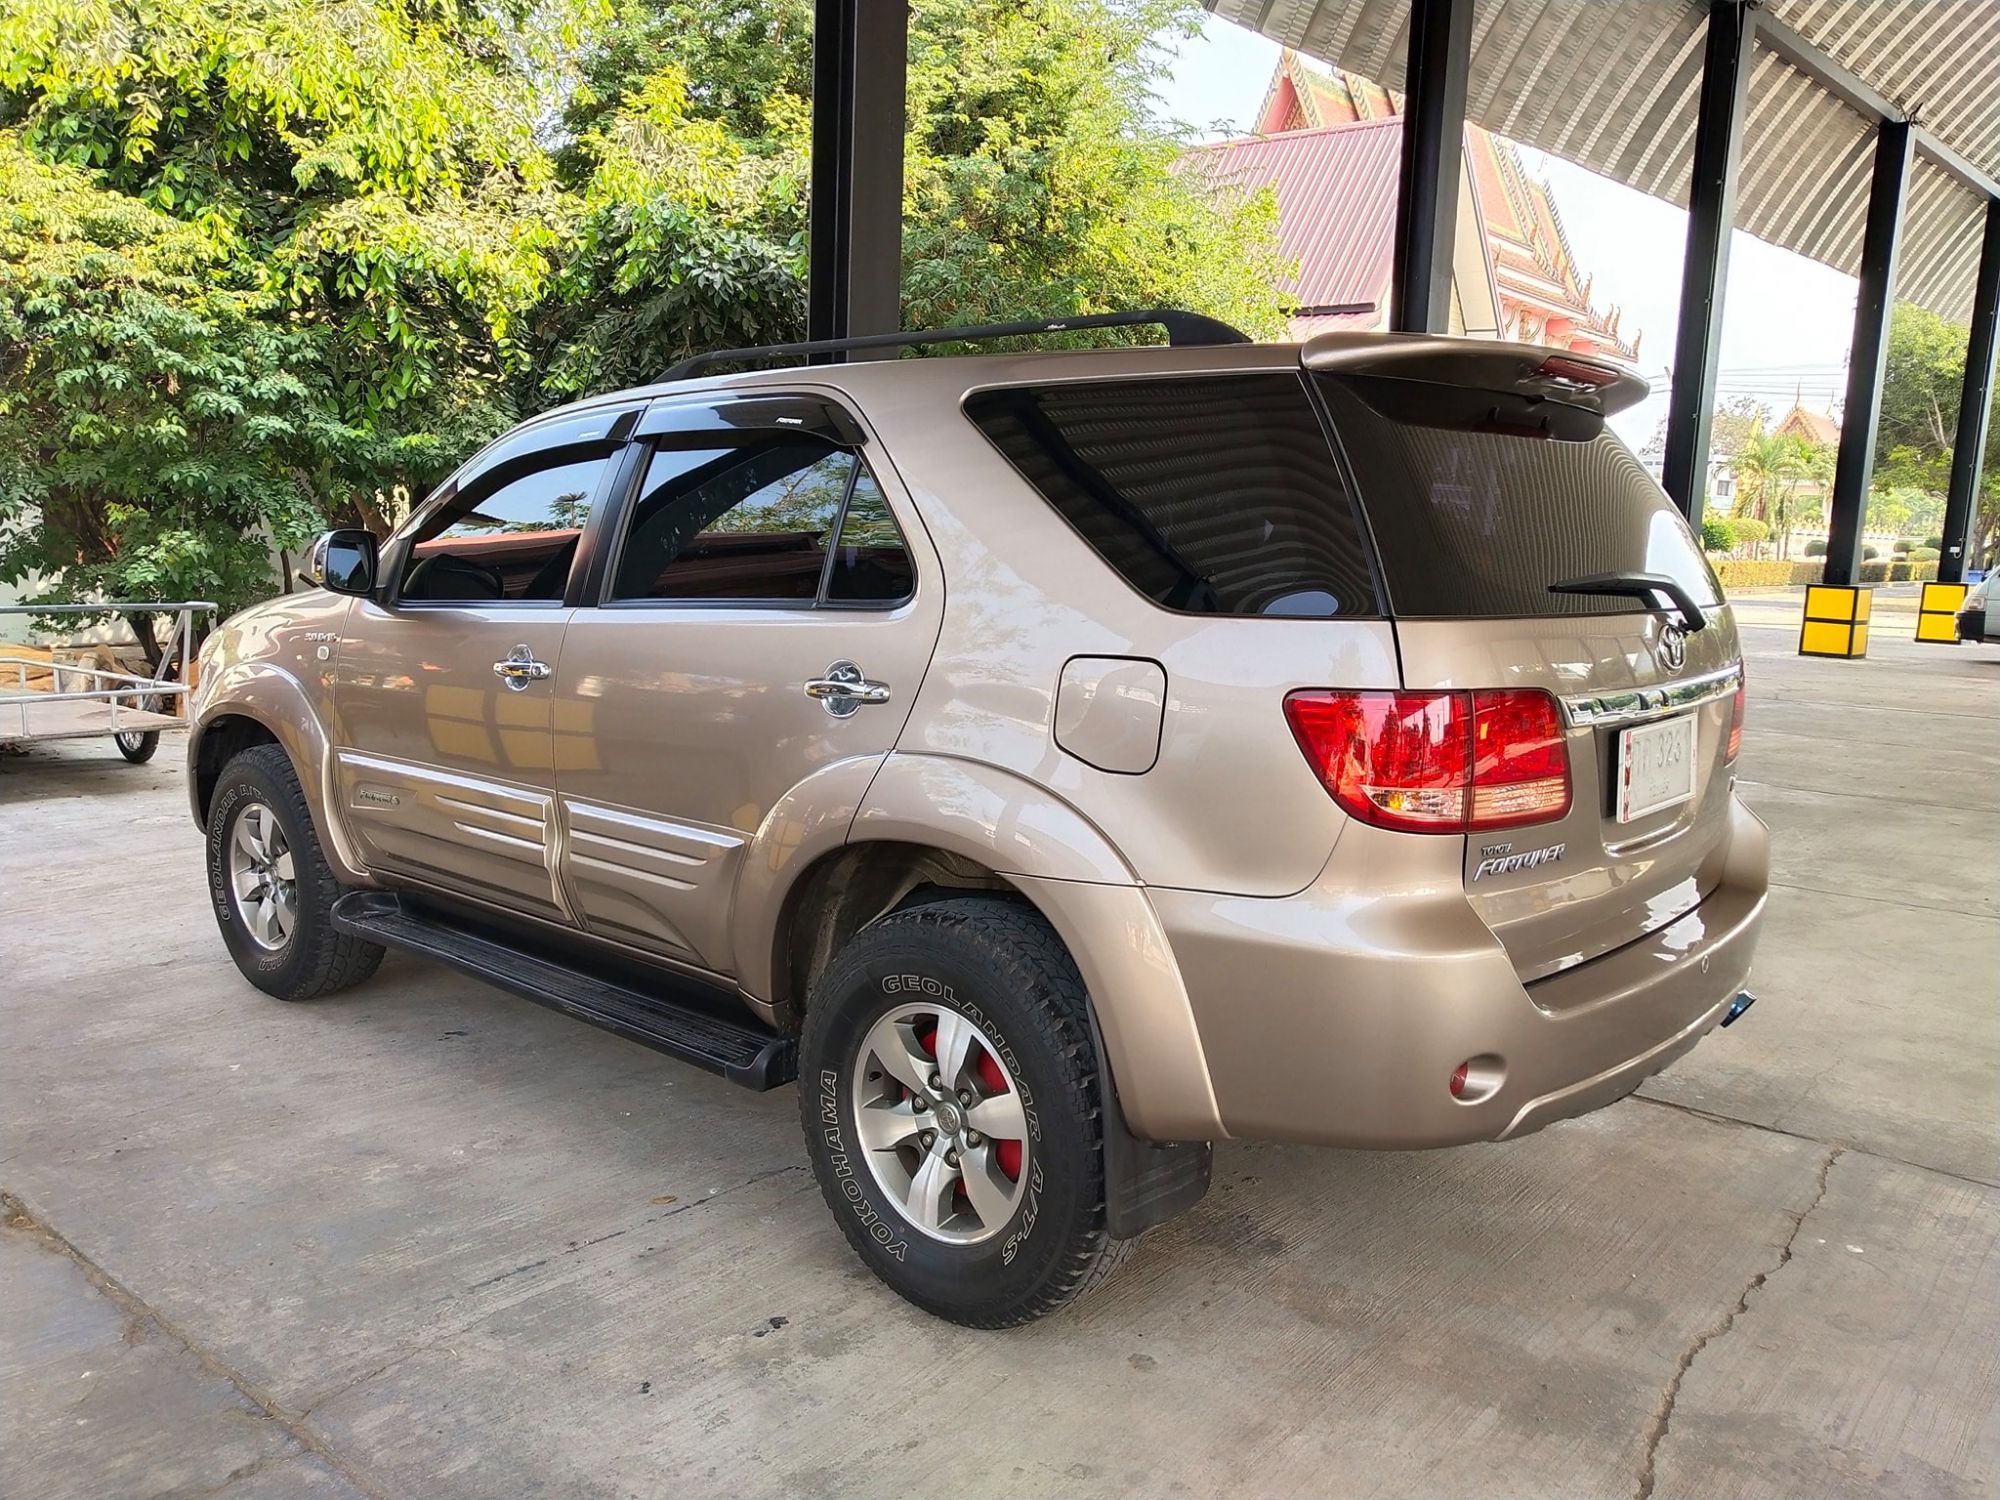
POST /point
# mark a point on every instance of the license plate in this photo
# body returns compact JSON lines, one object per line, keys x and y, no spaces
{"x":1655,"y":767}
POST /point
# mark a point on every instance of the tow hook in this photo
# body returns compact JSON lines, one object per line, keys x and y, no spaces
{"x":1737,"y":1006}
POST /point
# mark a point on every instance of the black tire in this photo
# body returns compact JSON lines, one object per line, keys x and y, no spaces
{"x":138,"y":748}
{"x":315,"y":959}
{"x":1001,"y":966}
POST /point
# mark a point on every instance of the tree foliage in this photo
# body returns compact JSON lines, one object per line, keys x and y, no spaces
{"x":265,"y":265}
{"x":1922,"y":384}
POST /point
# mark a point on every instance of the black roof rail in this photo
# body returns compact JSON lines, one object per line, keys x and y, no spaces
{"x":1183,"y":328}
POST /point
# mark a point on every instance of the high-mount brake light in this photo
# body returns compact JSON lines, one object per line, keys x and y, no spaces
{"x":1449,"y":762}
{"x":1576,"y":374}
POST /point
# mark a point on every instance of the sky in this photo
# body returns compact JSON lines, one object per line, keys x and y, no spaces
{"x":1786,"y":322}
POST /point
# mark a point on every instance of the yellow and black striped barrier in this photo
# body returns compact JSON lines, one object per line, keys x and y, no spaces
{"x":1937,"y":612}
{"x":1836,"y":622}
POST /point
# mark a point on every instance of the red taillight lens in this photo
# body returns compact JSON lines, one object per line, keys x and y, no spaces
{"x":1400,"y":760}
{"x":1735,"y":723}
{"x":1436,"y":762}
{"x":1520,"y":767}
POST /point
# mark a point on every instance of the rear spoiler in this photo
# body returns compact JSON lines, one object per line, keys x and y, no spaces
{"x":1528,"y":370}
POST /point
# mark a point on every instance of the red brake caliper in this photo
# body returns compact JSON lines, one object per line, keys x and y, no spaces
{"x":1006,"y":1153}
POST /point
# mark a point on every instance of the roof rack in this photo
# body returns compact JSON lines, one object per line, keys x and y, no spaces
{"x":1183,"y":328}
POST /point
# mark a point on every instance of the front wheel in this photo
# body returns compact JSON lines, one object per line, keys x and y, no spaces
{"x":272,"y":889}
{"x":953,"y":1112}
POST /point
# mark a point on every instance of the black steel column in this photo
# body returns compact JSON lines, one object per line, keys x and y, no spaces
{"x":1861,"y":413}
{"x":855,"y":241}
{"x":1433,"y":163}
{"x":1975,"y":403}
{"x":1718,"y":137}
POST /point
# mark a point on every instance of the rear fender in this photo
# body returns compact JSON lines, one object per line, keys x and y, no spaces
{"x":1075,"y":878}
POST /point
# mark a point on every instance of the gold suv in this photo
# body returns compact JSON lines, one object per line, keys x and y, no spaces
{"x":1055,"y":761}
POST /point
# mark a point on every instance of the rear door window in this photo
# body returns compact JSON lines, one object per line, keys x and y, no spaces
{"x":748,"y":522}
{"x":1479,"y":501}
{"x":778,"y":518}
{"x":1209,"y":495}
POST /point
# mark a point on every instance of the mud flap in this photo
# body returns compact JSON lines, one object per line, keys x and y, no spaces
{"x":1145,"y":1182}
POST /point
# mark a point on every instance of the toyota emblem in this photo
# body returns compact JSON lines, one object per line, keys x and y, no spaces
{"x":1673,"y":647}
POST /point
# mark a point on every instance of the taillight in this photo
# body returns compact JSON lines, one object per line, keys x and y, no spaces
{"x":1520,"y":767}
{"x":1735,"y":723}
{"x":1436,"y":762}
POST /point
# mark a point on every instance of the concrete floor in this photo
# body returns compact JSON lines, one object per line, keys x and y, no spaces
{"x":426,"y":1239}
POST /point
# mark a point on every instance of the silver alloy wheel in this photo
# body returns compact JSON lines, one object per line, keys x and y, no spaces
{"x":263,"y":885}
{"x":940,"y":1121}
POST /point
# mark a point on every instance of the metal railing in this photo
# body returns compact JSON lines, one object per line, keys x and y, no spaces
{"x":178,"y":651}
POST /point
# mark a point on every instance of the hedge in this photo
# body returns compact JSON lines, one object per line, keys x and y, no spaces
{"x":1761,"y":573}
{"x":1900,"y":571}
{"x":1765,"y":573}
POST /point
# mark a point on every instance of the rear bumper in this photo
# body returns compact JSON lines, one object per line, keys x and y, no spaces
{"x":1338,"y":1015}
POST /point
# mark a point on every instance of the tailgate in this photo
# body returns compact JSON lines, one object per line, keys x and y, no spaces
{"x":1488,"y":477}
{"x":1561,"y":892}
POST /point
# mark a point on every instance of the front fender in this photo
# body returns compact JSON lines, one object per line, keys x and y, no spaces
{"x":273,"y":697}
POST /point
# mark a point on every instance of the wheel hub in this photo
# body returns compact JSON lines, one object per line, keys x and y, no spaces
{"x":941,"y":1123}
{"x":263,"y":878}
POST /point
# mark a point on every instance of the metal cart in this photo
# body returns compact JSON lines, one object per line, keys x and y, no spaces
{"x":131,"y":707}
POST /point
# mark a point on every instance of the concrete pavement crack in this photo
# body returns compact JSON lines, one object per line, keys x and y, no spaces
{"x":142,"y":1321}
{"x":1663,"y":1414}
{"x":1716,"y":1118}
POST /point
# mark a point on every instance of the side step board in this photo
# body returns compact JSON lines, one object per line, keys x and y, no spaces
{"x":740,"y":1051}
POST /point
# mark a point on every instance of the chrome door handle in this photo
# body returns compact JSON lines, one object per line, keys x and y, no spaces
{"x":844,"y":689}
{"x":519,"y":668}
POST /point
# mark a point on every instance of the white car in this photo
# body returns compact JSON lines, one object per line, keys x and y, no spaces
{"x":1976,"y":620}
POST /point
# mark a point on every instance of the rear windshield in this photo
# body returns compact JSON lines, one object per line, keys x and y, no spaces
{"x":1209,"y":495}
{"x":1478,"y":502}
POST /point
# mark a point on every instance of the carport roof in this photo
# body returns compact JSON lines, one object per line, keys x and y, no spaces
{"x":1612,"y":86}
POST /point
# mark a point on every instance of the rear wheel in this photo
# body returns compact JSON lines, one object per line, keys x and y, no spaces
{"x":271,"y":887}
{"x":952,"y":1111}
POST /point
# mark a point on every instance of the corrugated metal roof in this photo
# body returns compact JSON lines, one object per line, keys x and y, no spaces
{"x":1336,"y":190}
{"x":1612,"y":85}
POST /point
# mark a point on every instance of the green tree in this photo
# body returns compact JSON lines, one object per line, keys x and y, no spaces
{"x":264,"y":264}
{"x":1922,"y":382}
{"x":1036,"y":181}
{"x":272,"y":263}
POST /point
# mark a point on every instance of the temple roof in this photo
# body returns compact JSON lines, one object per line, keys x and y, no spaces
{"x":1330,"y":146}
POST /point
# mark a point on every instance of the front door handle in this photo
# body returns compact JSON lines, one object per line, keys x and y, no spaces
{"x":844,"y":688}
{"x":519,"y":668}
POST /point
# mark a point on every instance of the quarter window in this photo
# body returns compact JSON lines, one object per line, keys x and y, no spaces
{"x":1209,"y":495}
{"x":870,"y":564}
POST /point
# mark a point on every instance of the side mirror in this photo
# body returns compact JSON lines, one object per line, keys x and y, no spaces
{"x":343,"y":561}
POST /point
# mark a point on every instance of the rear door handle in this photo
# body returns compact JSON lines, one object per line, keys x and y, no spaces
{"x":845,"y":688}
{"x":519,"y":668}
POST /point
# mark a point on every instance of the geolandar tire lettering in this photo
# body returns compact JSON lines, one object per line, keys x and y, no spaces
{"x":953,"y":1111}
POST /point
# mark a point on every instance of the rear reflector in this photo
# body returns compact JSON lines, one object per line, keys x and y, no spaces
{"x":1436,"y":762}
{"x":1736,"y":722}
